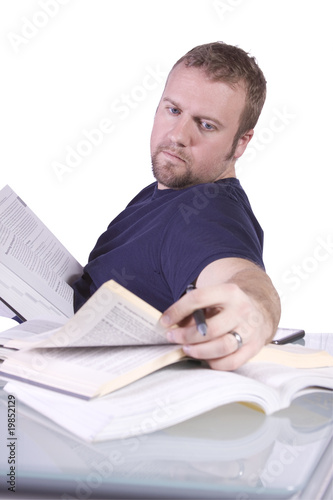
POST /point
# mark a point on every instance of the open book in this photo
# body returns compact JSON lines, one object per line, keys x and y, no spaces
{"x":114,"y":344}
{"x":36,"y":270}
{"x":111,"y":341}
{"x":172,"y":395}
{"x":115,"y":339}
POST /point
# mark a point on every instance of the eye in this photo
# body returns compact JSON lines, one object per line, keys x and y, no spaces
{"x":207,"y":126}
{"x":173,"y":111}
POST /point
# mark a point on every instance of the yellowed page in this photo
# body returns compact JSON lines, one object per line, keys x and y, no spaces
{"x":113,"y":316}
{"x":172,"y":395}
{"x":89,"y":372}
{"x":293,"y":355}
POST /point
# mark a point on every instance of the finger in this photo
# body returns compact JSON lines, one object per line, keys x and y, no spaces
{"x":229,"y":362}
{"x":222,"y":323}
{"x":186,"y":335}
{"x":227,"y":321}
{"x":234,"y":360}
{"x":199,"y":299}
{"x":213,"y":349}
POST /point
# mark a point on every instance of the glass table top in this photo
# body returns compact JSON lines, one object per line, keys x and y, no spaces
{"x":233,"y":451}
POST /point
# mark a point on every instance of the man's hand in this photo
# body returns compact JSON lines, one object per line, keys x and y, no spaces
{"x":237,"y":297}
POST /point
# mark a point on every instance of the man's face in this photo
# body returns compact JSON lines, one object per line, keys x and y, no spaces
{"x":194,"y":128}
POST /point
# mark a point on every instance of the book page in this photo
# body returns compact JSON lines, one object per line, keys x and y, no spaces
{"x":293,"y":355}
{"x":29,"y":329}
{"x":71,"y":413}
{"x":88,"y":372}
{"x":287,"y":381}
{"x":16,"y":216}
{"x":21,"y":259}
{"x":162,"y":399}
{"x":36,"y":299}
{"x":36,"y":269}
{"x":321,"y":341}
{"x":5,"y":310}
{"x":113,"y":316}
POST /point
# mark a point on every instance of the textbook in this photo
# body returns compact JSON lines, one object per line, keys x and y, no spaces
{"x":36,"y":270}
{"x":173,"y":395}
{"x":115,"y":339}
{"x":111,"y":341}
{"x":112,"y":353}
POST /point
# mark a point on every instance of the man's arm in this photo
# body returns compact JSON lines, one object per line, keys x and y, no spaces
{"x":238,"y":296}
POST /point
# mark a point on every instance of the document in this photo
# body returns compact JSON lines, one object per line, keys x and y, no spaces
{"x":36,"y":270}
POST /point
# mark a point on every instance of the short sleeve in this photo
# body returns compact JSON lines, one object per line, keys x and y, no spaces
{"x":205,"y":228}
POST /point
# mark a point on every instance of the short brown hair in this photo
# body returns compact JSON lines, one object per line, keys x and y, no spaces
{"x":232,"y":65}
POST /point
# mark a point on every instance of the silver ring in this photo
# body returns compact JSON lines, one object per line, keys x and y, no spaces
{"x":238,"y":338}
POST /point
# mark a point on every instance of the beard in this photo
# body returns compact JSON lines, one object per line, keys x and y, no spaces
{"x":172,"y":174}
{"x":179,"y":174}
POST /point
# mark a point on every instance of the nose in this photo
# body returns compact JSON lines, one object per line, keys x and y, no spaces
{"x":181,"y":133}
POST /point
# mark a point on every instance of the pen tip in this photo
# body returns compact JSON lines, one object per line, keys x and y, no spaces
{"x":202,"y":329}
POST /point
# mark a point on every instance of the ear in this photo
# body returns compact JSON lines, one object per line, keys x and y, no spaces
{"x":242,"y":143}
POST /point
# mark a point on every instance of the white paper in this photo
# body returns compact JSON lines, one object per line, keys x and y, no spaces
{"x":36,"y":270}
{"x":16,"y":216}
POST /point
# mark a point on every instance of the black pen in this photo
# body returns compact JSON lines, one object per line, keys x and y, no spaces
{"x":199,"y":315}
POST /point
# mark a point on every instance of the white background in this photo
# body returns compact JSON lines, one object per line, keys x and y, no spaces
{"x":68,"y":65}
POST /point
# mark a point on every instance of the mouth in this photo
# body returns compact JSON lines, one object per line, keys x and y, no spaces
{"x":172,"y":156}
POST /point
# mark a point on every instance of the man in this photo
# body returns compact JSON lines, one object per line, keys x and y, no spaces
{"x":195,"y":223}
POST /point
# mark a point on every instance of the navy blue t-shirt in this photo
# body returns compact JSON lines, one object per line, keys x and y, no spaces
{"x":164,"y":238}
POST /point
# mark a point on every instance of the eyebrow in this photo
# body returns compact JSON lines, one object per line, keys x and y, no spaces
{"x":176,"y":105}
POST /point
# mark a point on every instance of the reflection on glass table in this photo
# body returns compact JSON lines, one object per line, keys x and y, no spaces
{"x":233,"y":451}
